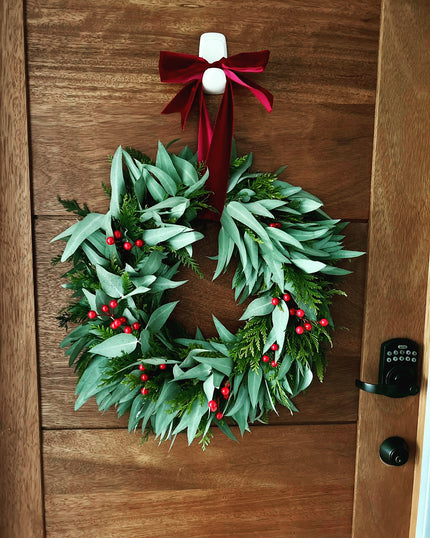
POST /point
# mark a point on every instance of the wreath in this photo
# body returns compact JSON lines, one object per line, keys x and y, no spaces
{"x":130,"y":353}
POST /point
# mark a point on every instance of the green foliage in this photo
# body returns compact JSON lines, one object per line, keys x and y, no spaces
{"x":129,"y":217}
{"x":186,"y":260}
{"x":190,"y":391}
{"x":138,"y":155}
{"x":309,"y":289}
{"x":117,"y":369}
{"x":248,"y":347}
{"x":206,"y":438}
{"x":298,"y":257}
{"x":73,"y":207}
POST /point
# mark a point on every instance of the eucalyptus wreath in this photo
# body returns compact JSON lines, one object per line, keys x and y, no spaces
{"x":130,"y":353}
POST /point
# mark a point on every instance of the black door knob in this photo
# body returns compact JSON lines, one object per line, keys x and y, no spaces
{"x":394,"y":451}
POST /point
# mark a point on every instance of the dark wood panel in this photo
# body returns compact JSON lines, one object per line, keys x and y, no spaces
{"x":94,"y":86}
{"x":333,"y":400}
{"x":21,"y":510}
{"x":290,"y":481}
{"x":399,"y":231}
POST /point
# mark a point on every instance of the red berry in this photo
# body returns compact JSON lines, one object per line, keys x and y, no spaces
{"x":128,"y":329}
{"x":225,"y":391}
{"x":278,"y":225}
{"x":144,"y":391}
{"x":292,"y":311}
{"x":136,"y":326}
{"x":274,"y":347}
{"x":127,"y":245}
{"x":92,"y":314}
{"x":300,"y":313}
{"x":117,"y":234}
{"x":113,"y":304}
{"x":113,"y":325}
{"x":273,"y":364}
{"x":219,"y":416}
{"x":308,"y":326}
{"x":163,"y":366}
{"x":110,"y":240}
{"x":299,"y":330}
{"x":213,"y":406}
{"x":139,"y":243}
{"x":117,"y":323}
{"x":105,"y":308}
{"x":272,"y":224}
{"x":144,"y":377}
{"x":266,"y":358}
{"x":287,"y":297}
{"x":123,"y":319}
{"x":141,"y":367}
{"x":275,"y":301}
{"x":323,"y":322}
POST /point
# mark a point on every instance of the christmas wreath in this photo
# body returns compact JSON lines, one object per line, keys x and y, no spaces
{"x":127,"y":349}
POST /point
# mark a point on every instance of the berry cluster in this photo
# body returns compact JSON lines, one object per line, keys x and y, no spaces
{"x":300,"y":329}
{"x":213,"y":405}
{"x":127,"y":245}
{"x":108,"y":310}
{"x":144,"y":377}
{"x":275,"y":225}
{"x":307,"y":326}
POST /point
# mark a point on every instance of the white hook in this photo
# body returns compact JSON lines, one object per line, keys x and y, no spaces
{"x":213,"y":47}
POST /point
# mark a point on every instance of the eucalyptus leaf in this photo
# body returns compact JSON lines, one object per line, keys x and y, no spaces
{"x":111,"y":284}
{"x":116,"y":345}
{"x":117,"y":184}
{"x":82,"y":229}
{"x":308,"y":266}
{"x":159,"y":317}
{"x":258,"y":307}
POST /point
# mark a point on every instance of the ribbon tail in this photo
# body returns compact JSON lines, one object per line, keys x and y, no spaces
{"x":183,"y":101}
{"x":263,"y":95}
{"x":205,"y":130}
{"x":219,"y":156}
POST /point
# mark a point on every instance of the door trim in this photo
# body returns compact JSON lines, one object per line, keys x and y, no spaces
{"x":399,"y":235}
{"x":21,"y":503}
{"x":421,"y":494}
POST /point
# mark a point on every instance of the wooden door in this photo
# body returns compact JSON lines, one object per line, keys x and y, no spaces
{"x":93,"y":84}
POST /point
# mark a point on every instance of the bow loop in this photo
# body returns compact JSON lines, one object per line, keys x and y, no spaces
{"x":214,"y":144}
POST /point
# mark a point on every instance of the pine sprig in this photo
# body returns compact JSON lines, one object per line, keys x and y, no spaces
{"x":186,"y":260}
{"x":247,"y":349}
{"x":73,"y":207}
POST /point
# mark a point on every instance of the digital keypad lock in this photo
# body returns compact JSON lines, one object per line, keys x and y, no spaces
{"x":398,"y":369}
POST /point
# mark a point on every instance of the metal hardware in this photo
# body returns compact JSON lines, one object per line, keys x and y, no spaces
{"x":394,"y":451}
{"x":398,"y":370}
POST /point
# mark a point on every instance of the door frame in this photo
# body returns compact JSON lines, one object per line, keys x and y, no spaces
{"x":400,"y":160}
{"x":399,"y":238}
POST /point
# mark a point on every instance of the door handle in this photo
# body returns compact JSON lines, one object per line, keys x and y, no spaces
{"x":392,"y":391}
{"x":398,"y":370}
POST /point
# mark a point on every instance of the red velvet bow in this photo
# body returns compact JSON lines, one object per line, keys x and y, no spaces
{"x":214,"y":144}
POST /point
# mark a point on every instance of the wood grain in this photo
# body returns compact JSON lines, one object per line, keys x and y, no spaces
{"x":335,"y":400}
{"x":399,"y":239}
{"x":94,"y":86}
{"x":263,"y":486}
{"x":21,"y":513}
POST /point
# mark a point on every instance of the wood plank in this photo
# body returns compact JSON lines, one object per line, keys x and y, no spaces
{"x":278,"y":482}
{"x":93,"y":87}
{"x":398,"y":258}
{"x":334,"y":400}
{"x":21,"y":512}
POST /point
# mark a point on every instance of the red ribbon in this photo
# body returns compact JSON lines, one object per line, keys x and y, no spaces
{"x":214,"y":144}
